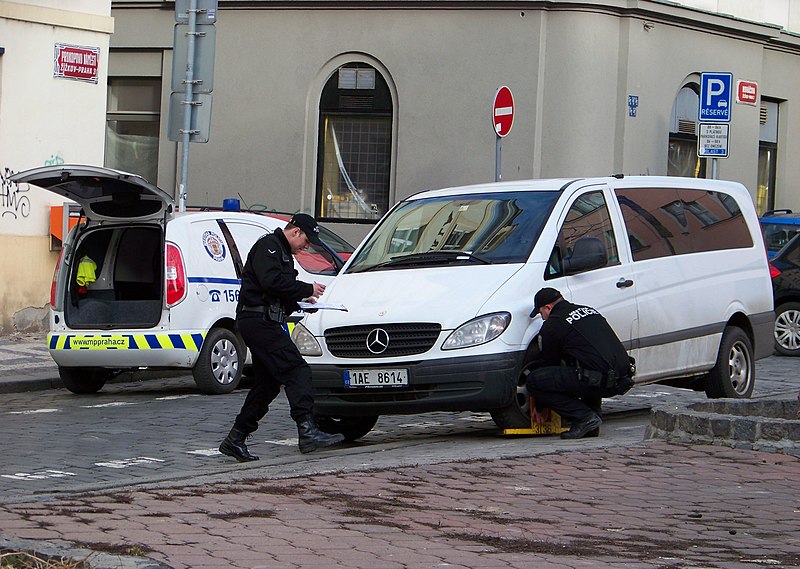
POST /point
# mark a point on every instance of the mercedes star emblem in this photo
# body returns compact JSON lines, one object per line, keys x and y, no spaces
{"x":378,"y":341}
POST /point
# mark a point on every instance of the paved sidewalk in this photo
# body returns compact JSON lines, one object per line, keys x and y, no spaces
{"x":649,"y":506}
{"x":26,"y":364}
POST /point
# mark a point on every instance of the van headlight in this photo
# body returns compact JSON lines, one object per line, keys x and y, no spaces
{"x":305,"y":341}
{"x":478,"y":331}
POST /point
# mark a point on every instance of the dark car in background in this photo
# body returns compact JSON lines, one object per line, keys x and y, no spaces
{"x":778,"y":227}
{"x":785,"y":270}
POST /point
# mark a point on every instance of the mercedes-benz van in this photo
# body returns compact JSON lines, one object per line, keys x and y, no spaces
{"x":439,"y":294}
{"x":141,"y":286}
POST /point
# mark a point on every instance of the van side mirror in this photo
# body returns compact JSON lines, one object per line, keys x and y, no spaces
{"x":587,"y":253}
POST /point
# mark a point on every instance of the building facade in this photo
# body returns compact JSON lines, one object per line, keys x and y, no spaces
{"x":342,"y":108}
{"x":53,"y":71}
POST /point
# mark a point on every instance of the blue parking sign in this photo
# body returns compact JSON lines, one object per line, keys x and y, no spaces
{"x":715,"y":97}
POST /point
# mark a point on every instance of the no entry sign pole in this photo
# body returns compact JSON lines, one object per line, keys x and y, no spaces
{"x":502,"y":120}
{"x":498,"y":148}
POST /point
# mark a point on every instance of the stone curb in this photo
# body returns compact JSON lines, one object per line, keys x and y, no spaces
{"x":768,"y":425}
{"x":66,"y":551}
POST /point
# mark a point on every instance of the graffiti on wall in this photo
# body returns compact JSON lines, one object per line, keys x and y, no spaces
{"x":14,"y":200}
{"x":54,"y":160}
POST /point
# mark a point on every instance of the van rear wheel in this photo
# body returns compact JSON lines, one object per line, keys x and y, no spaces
{"x":218,"y":368}
{"x":734,"y":374}
{"x":518,"y":414}
{"x":351,"y":427}
{"x":83,"y":380}
{"x":787,"y":329}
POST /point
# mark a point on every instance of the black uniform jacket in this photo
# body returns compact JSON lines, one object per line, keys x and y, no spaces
{"x":269,"y":275}
{"x":566,"y":336}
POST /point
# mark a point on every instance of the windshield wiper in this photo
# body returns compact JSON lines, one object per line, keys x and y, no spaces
{"x":429,"y":258}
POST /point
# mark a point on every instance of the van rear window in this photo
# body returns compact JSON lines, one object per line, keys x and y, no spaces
{"x":462,"y":229}
{"x":667,"y":221}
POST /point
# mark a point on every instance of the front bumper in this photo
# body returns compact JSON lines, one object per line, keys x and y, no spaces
{"x":474,"y":383}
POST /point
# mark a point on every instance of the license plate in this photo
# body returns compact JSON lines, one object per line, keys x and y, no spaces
{"x":375,"y":377}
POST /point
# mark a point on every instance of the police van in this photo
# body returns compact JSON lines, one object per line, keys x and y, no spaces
{"x":439,"y":294}
{"x":141,"y":286}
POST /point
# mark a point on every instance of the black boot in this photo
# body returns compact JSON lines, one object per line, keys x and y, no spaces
{"x":311,"y":438}
{"x":234,"y":446}
{"x":584,"y":427}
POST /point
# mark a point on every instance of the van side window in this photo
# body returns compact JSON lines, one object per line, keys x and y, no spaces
{"x":587,"y":222}
{"x":665,"y":221}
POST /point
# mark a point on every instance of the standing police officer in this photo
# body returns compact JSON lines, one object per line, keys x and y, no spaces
{"x":270,"y":291}
{"x":595,"y":363}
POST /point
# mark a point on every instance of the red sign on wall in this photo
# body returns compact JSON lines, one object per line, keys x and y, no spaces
{"x":747,"y":92}
{"x":76,"y":62}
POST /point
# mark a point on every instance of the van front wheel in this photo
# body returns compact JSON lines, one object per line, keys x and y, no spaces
{"x":219,"y":366}
{"x":83,"y":380}
{"x":734,"y":374}
{"x":351,"y":427}
{"x":518,"y":414}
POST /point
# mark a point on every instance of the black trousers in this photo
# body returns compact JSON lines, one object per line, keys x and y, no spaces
{"x":276,"y":363}
{"x":560,"y":389}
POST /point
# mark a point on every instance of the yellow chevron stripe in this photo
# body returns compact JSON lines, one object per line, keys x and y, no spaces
{"x":131,"y":341}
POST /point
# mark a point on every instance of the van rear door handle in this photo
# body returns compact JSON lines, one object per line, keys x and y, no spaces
{"x":624,"y":283}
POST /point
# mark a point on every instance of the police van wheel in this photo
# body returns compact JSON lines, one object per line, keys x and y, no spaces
{"x":734,"y":374}
{"x":219,"y":366}
{"x":84,"y":379}
{"x":351,"y":427}
{"x":518,"y":414}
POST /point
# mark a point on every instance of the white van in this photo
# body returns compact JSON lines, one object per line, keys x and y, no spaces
{"x":439,"y":294}
{"x":140,"y":286}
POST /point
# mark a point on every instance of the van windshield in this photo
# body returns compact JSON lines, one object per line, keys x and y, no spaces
{"x":486,"y":228}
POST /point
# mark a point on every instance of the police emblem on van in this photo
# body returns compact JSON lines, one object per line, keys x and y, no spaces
{"x":214,"y":246}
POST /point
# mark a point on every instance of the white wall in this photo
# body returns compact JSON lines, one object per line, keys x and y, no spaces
{"x":43,"y":120}
{"x":784,"y":13}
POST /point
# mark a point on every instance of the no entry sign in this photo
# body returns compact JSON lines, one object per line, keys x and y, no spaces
{"x":503,"y":111}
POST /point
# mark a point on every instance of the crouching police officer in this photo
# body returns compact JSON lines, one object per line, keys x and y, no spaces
{"x":595,"y":363}
{"x":270,"y":290}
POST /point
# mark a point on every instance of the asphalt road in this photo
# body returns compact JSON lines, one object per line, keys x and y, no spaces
{"x":164,"y":431}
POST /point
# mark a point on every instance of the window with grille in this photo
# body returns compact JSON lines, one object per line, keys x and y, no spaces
{"x":354,"y":160}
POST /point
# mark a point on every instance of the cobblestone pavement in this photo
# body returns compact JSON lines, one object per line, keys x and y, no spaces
{"x":622,"y":504}
{"x":649,"y":506}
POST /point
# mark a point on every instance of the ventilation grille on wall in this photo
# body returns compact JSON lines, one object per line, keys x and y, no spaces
{"x":355,"y":102}
{"x":687,"y":127}
{"x":762,"y":114}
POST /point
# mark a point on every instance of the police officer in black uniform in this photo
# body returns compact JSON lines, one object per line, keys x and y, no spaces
{"x":581,"y":361}
{"x":270,"y":291}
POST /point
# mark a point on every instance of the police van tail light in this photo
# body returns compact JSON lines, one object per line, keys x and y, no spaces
{"x":478,"y":331}
{"x":54,"y":284}
{"x":175,"y":275}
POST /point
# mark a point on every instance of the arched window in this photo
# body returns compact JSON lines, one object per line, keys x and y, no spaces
{"x":683,"y":159}
{"x":355,"y":145}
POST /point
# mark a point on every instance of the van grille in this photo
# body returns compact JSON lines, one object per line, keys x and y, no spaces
{"x":403,"y":339}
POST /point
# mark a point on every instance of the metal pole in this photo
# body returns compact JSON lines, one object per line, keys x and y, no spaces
{"x":497,"y":151}
{"x":188,"y":103}
{"x":714,"y":166}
